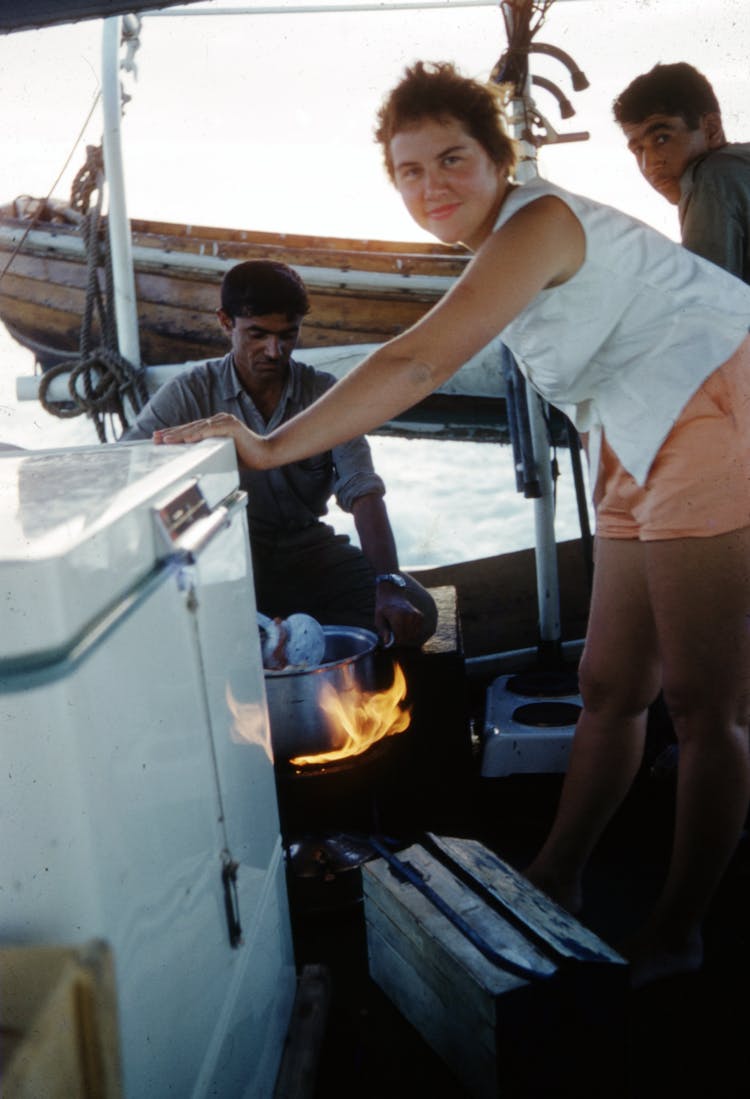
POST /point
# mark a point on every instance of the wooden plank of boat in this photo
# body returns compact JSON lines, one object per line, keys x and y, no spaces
{"x":360,"y":291}
{"x":497,"y":597}
{"x":47,"y":314}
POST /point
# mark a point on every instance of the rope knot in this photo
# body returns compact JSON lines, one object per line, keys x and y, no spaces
{"x":88,"y":179}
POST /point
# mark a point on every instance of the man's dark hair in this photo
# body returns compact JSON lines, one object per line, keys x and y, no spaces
{"x":256,"y":288}
{"x":677,"y":89}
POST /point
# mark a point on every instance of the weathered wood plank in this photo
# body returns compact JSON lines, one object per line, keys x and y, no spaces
{"x":360,"y":291}
{"x":454,"y":1037}
{"x":447,"y":636}
{"x":299,"y":1063}
{"x":454,"y":959}
{"x":497,"y":596}
{"x":568,"y":938}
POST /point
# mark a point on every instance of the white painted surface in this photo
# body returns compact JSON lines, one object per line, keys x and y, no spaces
{"x":77,"y":531}
{"x":127,"y":777}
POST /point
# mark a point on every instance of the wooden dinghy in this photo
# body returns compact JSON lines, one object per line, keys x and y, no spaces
{"x":361,"y":291}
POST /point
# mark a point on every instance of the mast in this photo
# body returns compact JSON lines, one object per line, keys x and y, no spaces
{"x":126,"y":313}
{"x":513,"y":69}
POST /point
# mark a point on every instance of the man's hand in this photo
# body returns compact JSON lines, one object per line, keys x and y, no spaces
{"x":396,"y":620}
{"x":252,"y":449}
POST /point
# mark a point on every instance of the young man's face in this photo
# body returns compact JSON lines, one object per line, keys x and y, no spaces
{"x":664,"y":146}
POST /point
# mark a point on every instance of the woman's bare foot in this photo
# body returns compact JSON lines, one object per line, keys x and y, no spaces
{"x":562,"y":891}
{"x":653,"y":959}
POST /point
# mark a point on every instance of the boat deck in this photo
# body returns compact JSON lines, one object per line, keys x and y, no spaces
{"x":686,"y":1036}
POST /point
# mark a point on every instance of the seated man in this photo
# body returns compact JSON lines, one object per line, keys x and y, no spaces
{"x":299,"y":562}
{"x":672,"y":121}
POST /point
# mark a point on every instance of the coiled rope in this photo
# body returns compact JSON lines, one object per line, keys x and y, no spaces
{"x":101,"y":383}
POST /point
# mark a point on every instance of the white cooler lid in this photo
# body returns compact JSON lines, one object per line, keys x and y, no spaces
{"x":77,"y":530}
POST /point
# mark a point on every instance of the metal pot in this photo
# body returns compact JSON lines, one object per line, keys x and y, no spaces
{"x":353,"y":661}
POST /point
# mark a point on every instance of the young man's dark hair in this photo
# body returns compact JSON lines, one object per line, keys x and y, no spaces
{"x":258,"y":288}
{"x":676,"y":89}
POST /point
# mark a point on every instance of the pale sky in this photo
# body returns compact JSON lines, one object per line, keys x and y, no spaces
{"x":265,"y":121}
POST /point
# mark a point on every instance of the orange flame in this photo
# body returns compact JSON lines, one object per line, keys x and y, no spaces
{"x":361,"y":718}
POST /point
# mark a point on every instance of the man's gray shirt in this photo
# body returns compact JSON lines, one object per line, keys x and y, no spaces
{"x":283,"y":500}
{"x":714,"y":208}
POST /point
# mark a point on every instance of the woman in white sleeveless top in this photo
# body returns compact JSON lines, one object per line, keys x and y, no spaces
{"x":645,"y":347}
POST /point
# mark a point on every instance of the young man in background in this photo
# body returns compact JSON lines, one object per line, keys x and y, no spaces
{"x":672,"y":121}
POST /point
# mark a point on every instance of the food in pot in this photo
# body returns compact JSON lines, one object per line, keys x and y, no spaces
{"x":294,"y":642}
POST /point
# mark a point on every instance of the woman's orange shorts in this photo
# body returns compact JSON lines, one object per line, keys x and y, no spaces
{"x":699,"y":483}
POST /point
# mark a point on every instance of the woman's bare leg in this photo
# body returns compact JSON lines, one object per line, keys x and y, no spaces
{"x":700,"y":592}
{"x":619,"y":678}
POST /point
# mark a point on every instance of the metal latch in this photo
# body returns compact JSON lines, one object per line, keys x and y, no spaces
{"x":231,"y":901}
{"x":186,"y":523}
{"x":177,"y":514}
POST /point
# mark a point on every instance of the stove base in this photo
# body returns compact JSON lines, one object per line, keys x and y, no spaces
{"x":529,"y":725}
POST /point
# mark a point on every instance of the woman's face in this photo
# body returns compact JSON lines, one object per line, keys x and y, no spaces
{"x":448,"y":182}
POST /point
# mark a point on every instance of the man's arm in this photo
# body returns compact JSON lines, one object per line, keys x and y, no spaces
{"x":394,"y":614}
{"x":146,"y":423}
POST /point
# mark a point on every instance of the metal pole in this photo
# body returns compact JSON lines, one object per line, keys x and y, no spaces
{"x":547,"y":581}
{"x":126,"y":313}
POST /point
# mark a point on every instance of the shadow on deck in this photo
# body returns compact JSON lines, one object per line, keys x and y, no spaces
{"x":685,"y":1037}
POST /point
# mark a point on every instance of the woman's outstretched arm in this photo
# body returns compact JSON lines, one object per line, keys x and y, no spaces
{"x":540,"y":246}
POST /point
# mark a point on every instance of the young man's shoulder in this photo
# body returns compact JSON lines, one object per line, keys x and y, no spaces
{"x":732,"y":159}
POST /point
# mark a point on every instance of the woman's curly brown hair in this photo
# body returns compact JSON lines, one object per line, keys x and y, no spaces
{"x":437,"y":90}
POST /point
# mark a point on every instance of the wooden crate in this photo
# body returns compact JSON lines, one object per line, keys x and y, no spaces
{"x":516,"y":996}
{"x":58,"y":1023}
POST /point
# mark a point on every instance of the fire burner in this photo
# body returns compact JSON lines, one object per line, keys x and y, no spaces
{"x":343,"y":795}
{"x":401,"y":785}
{"x":327,"y":811}
{"x":529,"y":724}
